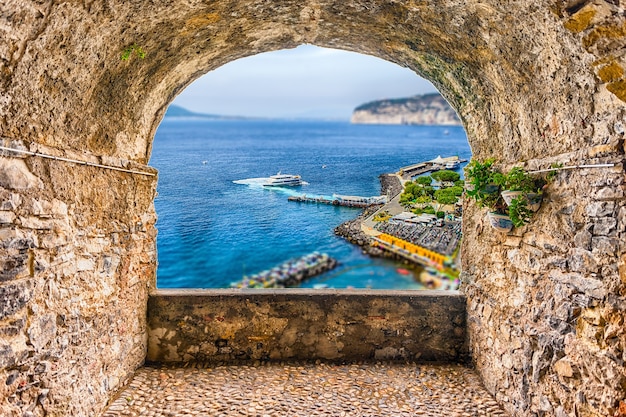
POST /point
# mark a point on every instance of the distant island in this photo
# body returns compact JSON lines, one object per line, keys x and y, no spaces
{"x":174,"y":111}
{"x":427,"y":109}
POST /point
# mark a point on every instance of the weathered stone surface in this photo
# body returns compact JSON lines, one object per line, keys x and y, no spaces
{"x":14,"y":175}
{"x":231,"y":325}
{"x":533,"y":83}
{"x":14,"y":296}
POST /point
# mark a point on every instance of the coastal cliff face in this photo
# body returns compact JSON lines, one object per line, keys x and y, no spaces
{"x":533,"y":82}
{"x":428,"y":109}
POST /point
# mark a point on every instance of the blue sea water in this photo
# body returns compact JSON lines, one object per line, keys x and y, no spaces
{"x":212,"y":231}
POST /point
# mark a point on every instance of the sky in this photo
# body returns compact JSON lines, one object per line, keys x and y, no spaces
{"x":305,"y":82}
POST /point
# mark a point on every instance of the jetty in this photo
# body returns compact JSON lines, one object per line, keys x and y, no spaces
{"x":437,"y":164}
{"x":290,"y":273}
{"x":341,"y":200}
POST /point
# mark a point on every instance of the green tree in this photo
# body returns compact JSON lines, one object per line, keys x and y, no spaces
{"x":446,"y":175}
{"x":423,"y":199}
{"x":425,"y":180}
{"x":446,"y":196}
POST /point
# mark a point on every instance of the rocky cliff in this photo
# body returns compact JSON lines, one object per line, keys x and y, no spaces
{"x":428,"y":109}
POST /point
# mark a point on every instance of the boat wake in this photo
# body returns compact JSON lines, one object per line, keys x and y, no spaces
{"x":259,"y":182}
{"x":262,"y":183}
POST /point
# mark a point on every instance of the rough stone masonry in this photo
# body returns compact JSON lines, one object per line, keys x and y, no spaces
{"x":533,"y":82}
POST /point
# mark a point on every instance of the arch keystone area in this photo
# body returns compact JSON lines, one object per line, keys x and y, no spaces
{"x":90,"y":81}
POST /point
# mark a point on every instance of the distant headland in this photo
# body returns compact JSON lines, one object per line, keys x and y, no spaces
{"x":174,"y":111}
{"x":427,"y":109}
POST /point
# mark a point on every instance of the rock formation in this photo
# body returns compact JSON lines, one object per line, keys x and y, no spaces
{"x":428,"y":109}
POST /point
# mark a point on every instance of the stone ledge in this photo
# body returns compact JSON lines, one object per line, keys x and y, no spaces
{"x":299,"y":324}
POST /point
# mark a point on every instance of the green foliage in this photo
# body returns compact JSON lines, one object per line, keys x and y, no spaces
{"x":414,"y":192}
{"x":446,"y":196}
{"x":423,"y":199}
{"x":133,"y":50}
{"x":446,"y":175}
{"x":519,"y":212}
{"x":456,"y":190}
{"x":428,"y":210}
{"x":425,"y":180}
{"x":440,"y":214}
{"x":481,"y":180}
{"x":382,"y":216}
{"x":516,"y":180}
{"x":552,"y":174}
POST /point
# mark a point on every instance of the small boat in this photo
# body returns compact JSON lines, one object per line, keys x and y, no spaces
{"x":452,"y":164}
{"x":283,"y":180}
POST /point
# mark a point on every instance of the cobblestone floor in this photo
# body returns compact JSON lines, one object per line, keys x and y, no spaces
{"x":306,"y":390}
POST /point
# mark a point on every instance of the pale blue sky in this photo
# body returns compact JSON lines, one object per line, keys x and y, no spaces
{"x":307,"y":81}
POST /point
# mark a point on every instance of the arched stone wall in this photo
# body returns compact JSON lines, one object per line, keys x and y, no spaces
{"x":533,"y":83}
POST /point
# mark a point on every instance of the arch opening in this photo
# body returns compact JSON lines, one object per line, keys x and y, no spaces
{"x":218,"y":225}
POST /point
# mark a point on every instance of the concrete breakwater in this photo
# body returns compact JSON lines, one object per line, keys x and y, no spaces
{"x":290,"y":273}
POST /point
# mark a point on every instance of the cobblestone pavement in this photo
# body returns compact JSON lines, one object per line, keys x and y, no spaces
{"x":306,"y":390}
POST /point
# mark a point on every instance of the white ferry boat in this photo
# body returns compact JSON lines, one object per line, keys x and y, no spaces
{"x":283,"y":180}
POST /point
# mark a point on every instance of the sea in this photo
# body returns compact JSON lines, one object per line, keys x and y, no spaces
{"x":217,"y":223}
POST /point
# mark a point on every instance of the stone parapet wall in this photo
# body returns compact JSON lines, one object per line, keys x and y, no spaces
{"x":304,"y":325}
{"x":77,"y":248}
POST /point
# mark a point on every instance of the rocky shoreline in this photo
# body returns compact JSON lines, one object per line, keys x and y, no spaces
{"x":351,"y":230}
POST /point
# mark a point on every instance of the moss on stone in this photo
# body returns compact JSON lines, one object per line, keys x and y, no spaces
{"x":580,"y":21}
{"x":611,"y":72}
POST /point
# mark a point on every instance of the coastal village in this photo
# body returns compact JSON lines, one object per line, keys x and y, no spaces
{"x":416,"y":219}
{"x":420,"y":223}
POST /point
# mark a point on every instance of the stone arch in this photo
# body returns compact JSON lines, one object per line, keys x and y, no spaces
{"x":533,"y":84}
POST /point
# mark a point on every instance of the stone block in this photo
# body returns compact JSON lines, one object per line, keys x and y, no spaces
{"x":604,"y":226}
{"x":563,"y":367}
{"x":36,"y":223}
{"x":7,"y":217}
{"x":7,"y":357}
{"x":604,"y":245}
{"x":42,"y":331}
{"x":85,"y":264}
{"x":582,"y":239}
{"x":609,"y":193}
{"x":13,"y":266}
{"x":15,"y":175}
{"x":581,"y":260}
{"x":13,"y":327}
{"x":600,"y":208}
{"x":14,"y":296}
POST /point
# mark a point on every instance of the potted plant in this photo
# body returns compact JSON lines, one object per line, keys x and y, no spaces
{"x":483,"y":185}
{"x":500,"y":221}
{"x":518,"y":184}
{"x":512,"y":197}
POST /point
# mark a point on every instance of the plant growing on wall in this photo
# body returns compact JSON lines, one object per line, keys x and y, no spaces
{"x":481,"y":183}
{"x":133,"y":50}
